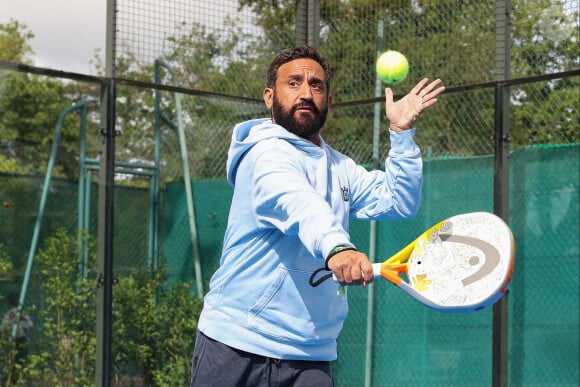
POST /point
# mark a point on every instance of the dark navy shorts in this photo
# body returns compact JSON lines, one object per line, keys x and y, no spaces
{"x":216,"y":364}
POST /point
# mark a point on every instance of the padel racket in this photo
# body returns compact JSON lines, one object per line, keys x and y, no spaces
{"x":462,"y":264}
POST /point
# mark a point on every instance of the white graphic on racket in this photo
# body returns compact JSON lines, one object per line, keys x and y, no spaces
{"x":462,"y":264}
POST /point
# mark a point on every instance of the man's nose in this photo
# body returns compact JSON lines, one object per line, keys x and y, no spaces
{"x":306,"y":92}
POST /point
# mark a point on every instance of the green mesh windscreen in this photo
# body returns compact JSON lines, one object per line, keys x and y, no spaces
{"x":413,"y":345}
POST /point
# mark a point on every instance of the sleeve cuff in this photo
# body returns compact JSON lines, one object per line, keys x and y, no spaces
{"x":331,"y":240}
{"x":403,"y":142}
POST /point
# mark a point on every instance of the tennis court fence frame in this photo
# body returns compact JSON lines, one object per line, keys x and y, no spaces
{"x":108,"y":169}
{"x":306,"y":32}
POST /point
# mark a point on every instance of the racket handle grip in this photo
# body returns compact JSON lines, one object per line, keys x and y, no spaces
{"x":376,"y":271}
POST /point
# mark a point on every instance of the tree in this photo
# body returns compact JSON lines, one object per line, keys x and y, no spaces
{"x":545,"y":42}
{"x":14,"y":46}
{"x":30,"y":106}
{"x":455,"y":43}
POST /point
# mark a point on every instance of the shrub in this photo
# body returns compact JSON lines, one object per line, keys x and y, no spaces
{"x":154,"y":323}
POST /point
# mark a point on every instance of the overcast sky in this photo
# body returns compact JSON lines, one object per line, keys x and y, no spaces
{"x":66,"y":32}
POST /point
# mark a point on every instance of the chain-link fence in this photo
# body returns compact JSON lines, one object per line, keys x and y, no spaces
{"x":210,"y":60}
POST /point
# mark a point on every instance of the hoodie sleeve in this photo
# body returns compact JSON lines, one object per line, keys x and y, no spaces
{"x":394,"y":193}
{"x":285,"y":199}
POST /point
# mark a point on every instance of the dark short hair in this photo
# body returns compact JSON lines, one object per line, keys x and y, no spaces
{"x":306,"y":51}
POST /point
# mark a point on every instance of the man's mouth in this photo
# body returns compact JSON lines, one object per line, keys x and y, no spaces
{"x":304,"y":108}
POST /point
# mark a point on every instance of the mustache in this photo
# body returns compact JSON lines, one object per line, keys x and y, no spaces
{"x":306,"y":104}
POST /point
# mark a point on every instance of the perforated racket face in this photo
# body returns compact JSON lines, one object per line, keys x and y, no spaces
{"x":465,"y":264}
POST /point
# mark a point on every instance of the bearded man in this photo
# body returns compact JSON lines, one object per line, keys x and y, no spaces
{"x":262,"y":323}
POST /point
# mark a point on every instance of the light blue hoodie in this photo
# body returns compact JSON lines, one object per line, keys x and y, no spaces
{"x":291,"y":206}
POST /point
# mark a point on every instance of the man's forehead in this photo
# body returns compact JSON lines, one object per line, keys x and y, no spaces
{"x":301,"y":66}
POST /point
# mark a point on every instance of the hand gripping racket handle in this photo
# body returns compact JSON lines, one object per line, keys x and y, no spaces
{"x":377,"y":267}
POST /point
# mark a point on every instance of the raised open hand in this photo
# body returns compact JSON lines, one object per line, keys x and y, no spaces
{"x":403,"y":113}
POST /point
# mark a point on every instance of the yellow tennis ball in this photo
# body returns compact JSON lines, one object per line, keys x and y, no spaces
{"x":392,"y":67}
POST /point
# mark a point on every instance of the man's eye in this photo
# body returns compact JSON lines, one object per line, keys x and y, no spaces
{"x":318,"y":87}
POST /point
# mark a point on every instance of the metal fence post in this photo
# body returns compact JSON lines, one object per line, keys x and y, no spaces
{"x":500,"y":344}
{"x":307,"y":22}
{"x":104,"y":316}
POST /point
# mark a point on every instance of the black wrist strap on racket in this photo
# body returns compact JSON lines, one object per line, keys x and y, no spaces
{"x":314,"y":283}
{"x":333,"y":252}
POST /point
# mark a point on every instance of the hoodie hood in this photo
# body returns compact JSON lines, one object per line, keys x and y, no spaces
{"x":247,"y":134}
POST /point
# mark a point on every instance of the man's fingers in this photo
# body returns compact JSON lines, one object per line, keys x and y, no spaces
{"x":431,"y":92}
{"x":351,"y":267}
{"x":367,"y":273}
{"x":419,"y":86}
{"x":388,"y":96}
{"x":362,"y":275}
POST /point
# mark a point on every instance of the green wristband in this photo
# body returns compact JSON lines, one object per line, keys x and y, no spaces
{"x":335,"y":251}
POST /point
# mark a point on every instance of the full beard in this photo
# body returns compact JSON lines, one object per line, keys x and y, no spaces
{"x":306,"y":125}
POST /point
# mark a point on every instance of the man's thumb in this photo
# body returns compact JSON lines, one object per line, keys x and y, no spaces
{"x":388,"y":96}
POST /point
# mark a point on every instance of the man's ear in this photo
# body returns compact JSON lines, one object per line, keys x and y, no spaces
{"x":329,"y":100}
{"x":268,"y":97}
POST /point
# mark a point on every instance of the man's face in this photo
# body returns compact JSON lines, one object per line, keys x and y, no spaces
{"x":299,"y":101}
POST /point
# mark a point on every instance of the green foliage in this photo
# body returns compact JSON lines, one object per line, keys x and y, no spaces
{"x":159,"y":323}
{"x":31,"y":106}
{"x":456,"y":43}
{"x":5,"y":264}
{"x":154,"y":322}
{"x":547,"y":113}
{"x":65,"y":352}
{"x":7,"y":350}
{"x":200,"y":60}
{"x":545,"y":42}
{"x":14,"y":47}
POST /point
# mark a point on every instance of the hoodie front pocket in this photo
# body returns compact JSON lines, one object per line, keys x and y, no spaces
{"x":292,"y":310}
